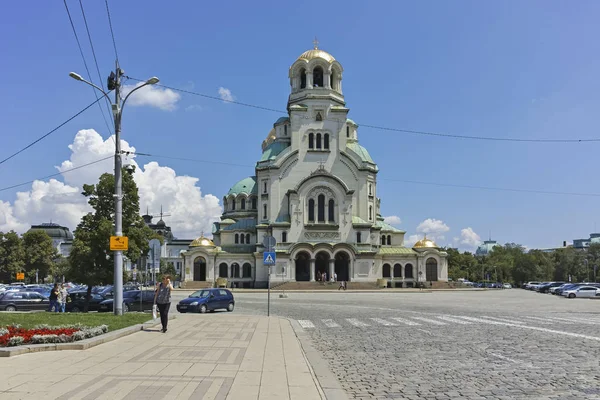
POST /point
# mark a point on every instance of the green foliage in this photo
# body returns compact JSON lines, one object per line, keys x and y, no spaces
{"x":167,"y":268}
{"x":12,"y":256}
{"x":39,"y":254}
{"x":114,"y":322}
{"x":61,"y":268}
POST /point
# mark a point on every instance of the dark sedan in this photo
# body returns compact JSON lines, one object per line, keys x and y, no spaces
{"x":23,"y":301}
{"x":131,"y":301}
{"x":77,"y":303}
{"x":207,"y":300}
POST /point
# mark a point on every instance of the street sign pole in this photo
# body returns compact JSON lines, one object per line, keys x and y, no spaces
{"x":269,"y":294}
{"x":269,"y":258}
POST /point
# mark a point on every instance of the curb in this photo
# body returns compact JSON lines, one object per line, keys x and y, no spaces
{"x":326,"y":381}
{"x":81,"y":344}
{"x":384,"y":291}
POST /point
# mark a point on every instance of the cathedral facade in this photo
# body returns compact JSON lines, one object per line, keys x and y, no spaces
{"x":314,"y":190}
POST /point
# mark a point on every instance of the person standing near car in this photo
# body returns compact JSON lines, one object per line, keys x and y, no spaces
{"x":54,"y":298}
{"x":162,"y":298}
{"x":62,"y":297}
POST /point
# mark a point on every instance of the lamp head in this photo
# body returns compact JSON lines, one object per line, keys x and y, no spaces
{"x":152,"y":81}
{"x":75,"y":76}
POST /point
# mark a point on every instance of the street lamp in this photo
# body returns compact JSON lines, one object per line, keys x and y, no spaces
{"x":115,"y":82}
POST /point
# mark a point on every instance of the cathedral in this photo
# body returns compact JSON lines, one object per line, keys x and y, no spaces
{"x":314,"y":190}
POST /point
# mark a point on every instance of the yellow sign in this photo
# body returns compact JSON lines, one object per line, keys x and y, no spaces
{"x":119,"y":243}
{"x":20,"y":276}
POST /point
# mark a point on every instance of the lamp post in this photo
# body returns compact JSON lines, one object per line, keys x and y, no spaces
{"x":586,"y":262}
{"x":114,"y":83}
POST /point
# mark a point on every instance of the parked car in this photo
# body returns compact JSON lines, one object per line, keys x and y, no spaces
{"x":131,"y":301}
{"x":23,"y":301}
{"x":580,"y":291}
{"x":546,"y":287}
{"x":507,"y":286}
{"x":528,"y":284}
{"x":207,"y":300}
{"x":77,"y":303}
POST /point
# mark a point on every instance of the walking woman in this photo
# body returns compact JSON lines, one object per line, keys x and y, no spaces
{"x":162,"y":298}
{"x":54,"y":293}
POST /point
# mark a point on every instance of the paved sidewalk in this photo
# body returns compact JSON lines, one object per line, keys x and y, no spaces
{"x":210,"y":356}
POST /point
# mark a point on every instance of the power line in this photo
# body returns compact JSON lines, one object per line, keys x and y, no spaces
{"x":386,"y":179}
{"x":56,"y":174}
{"x":111,"y":30}
{"x":85,"y":63}
{"x":49,"y":133}
{"x":95,"y":59}
{"x":383,"y":128}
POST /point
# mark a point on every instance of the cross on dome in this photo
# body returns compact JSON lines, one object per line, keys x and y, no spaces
{"x":316,"y":43}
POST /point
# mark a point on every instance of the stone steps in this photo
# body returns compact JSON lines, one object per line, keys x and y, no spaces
{"x":323,"y":286}
{"x":196,"y":285}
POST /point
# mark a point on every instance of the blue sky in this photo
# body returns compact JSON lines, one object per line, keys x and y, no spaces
{"x":493,"y":69}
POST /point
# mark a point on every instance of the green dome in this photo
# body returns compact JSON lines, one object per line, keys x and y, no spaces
{"x":360,"y":151}
{"x":273,"y":150}
{"x":349,"y":121}
{"x":282,"y":120}
{"x":246,"y":185}
{"x":53,"y":230}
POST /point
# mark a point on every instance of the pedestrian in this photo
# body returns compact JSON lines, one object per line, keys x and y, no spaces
{"x":54,"y":298}
{"x":324,"y":276}
{"x":335,"y":276}
{"x":63,"y":296}
{"x":342,"y":285}
{"x":318,"y":276}
{"x":162,"y":298}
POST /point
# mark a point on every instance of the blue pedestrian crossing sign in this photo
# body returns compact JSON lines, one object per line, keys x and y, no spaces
{"x":269,"y":258}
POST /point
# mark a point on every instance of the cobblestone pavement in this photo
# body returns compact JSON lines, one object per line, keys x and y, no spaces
{"x":509,"y":344}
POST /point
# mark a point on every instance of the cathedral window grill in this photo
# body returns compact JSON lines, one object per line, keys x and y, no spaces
{"x":264,"y":211}
{"x":233,"y":205}
{"x":389,"y":239}
{"x":397,"y":271}
{"x":243,"y":204}
{"x":347,"y":131}
{"x":318,"y":77}
{"x":321,"y":208}
{"x":285,"y":130}
{"x":235,"y":270}
{"x":311,"y":140}
{"x":370,"y":213}
{"x":383,"y":240}
{"x":284,"y":237}
{"x":236,"y":238}
{"x":326,"y":141}
{"x":370,"y":190}
{"x":242,"y":237}
{"x":303,"y":79}
{"x":264,"y":186}
{"x":254,"y":203}
{"x":311,"y":210}
{"x":318,"y":141}
{"x":358,"y":237}
{"x":331,"y":211}
{"x":223,"y":270}
{"x":247,"y":238}
{"x":247,"y":270}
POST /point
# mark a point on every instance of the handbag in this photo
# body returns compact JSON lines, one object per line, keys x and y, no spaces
{"x":154,"y":311}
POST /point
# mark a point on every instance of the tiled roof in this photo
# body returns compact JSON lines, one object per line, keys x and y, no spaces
{"x":242,"y":224}
{"x":396,"y":250}
{"x":273,"y":150}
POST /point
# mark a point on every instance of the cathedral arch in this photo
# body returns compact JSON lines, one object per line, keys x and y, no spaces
{"x":318,"y":76}
{"x":235,"y":270}
{"x":322,"y":264}
{"x":242,"y":238}
{"x":302,"y":77}
{"x":199,"y":269}
{"x":223,"y":270}
{"x":389,"y":239}
{"x":247,"y":238}
{"x":387,"y":270}
{"x":318,"y":140}
{"x":408,"y":271}
{"x":331,"y":211}
{"x":326,"y":141}
{"x":397,"y":270}
{"x":302,"y":263}
{"x":431,"y":269}
{"x":236,"y":238}
{"x":342,"y":266}
{"x":243,"y":203}
{"x":311,"y":140}
{"x":321,"y":208}
{"x":246,"y":270}
{"x":311,"y":210}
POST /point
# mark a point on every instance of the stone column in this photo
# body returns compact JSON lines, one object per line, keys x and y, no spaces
{"x":326,"y":80}
{"x":331,"y":268}
{"x":309,"y":80}
{"x":312,"y":269}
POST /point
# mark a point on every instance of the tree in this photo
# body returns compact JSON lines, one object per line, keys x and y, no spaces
{"x":12,"y":256}
{"x":167,"y":268}
{"x":39,"y":254}
{"x":60,"y":269}
{"x":91,"y":258}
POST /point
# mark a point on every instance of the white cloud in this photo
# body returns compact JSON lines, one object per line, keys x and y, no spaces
{"x":392,"y":220}
{"x":433,"y":227}
{"x":191,"y":212}
{"x":225,"y":94}
{"x":411,"y":240}
{"x":153,"y":96}
{"x":194,"y":107}
{"x":469,"y":238}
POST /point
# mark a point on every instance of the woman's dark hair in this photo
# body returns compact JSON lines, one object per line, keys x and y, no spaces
{"x":166,"y":276}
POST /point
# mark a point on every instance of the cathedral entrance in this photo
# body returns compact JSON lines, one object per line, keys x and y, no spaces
{"x":322,"y":265}
{"x":431,"y":272}
{"x":200,"y":269}
{"x":342,"y":266}
{"x":303,"y":267}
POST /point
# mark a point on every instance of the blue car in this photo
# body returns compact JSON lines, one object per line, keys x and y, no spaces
{"x":207,"y":300}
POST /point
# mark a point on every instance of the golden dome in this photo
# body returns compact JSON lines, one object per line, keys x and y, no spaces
{"x":316,"y":53}
{"x":201,"y":242}
{"x":425,"y":244}
{"x":270,"y":139}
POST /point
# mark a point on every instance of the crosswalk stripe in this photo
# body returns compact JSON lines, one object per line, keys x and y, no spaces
{"x":573,"y":320}
{"x":306,"y":323}
{"x":384,"y":322}
{"x":330,"y":323}
{"x":454,"y":320}
{"x":406,"y":322}
{"x":510,"y":321}
{"x":485,"y":321}
{"x":431,"y":321}
{"x":356,"y":322}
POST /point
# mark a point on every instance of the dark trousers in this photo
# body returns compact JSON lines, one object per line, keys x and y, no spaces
{"x":163,"y":309}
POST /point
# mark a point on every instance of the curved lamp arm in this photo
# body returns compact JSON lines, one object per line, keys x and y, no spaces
{"x":152,"y":81}
{"x":78,"y":77}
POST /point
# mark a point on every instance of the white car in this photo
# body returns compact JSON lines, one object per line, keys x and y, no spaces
{"x":507,"y":286}
{"x":581,"y":291}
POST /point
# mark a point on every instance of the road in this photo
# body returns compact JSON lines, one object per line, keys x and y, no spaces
{"x":499,"y":344}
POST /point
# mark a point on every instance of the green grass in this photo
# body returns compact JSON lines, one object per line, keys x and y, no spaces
{"x":114,"y":322}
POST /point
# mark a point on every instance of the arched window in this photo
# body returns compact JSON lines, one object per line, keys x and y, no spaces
{"x":370,"y":212}
{"x":383,"y":240}
{"x":237,"y":238}
{"x":235,"y":270}
{"x":233,"y":205}
{"x":284,"y":237}
{"x":285,"y":130}
{"x":264,"y":211}
{"x":247,"y":238}
{"x":321,"y":208}
{"x":331,"y":80}
{"x":242,"y":238}
{"x":387,"y":273}
{"x":358,"y":237}
{"x":247,"y":270}
{"x":318,"y":146}
{"x":318,"y":77}
{"x":311,"y":210}
{"x":254,"y":203}
{"x":408,"y":271}
{"x":389,"y":239}
{"x":303,"y":79}
{"x":243,"y":205}
{"x":347,"y":131}
{"x":223,"y":270}
{"x":326,"y":141}
{"x":331,"y":211}
{"x":311,"y":141}
{"x":225,"y":204}
{"x":370,"y":189}
{"x":397,"y":271}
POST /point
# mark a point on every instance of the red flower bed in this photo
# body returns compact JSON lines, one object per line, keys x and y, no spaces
{"x":26,"y":334}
